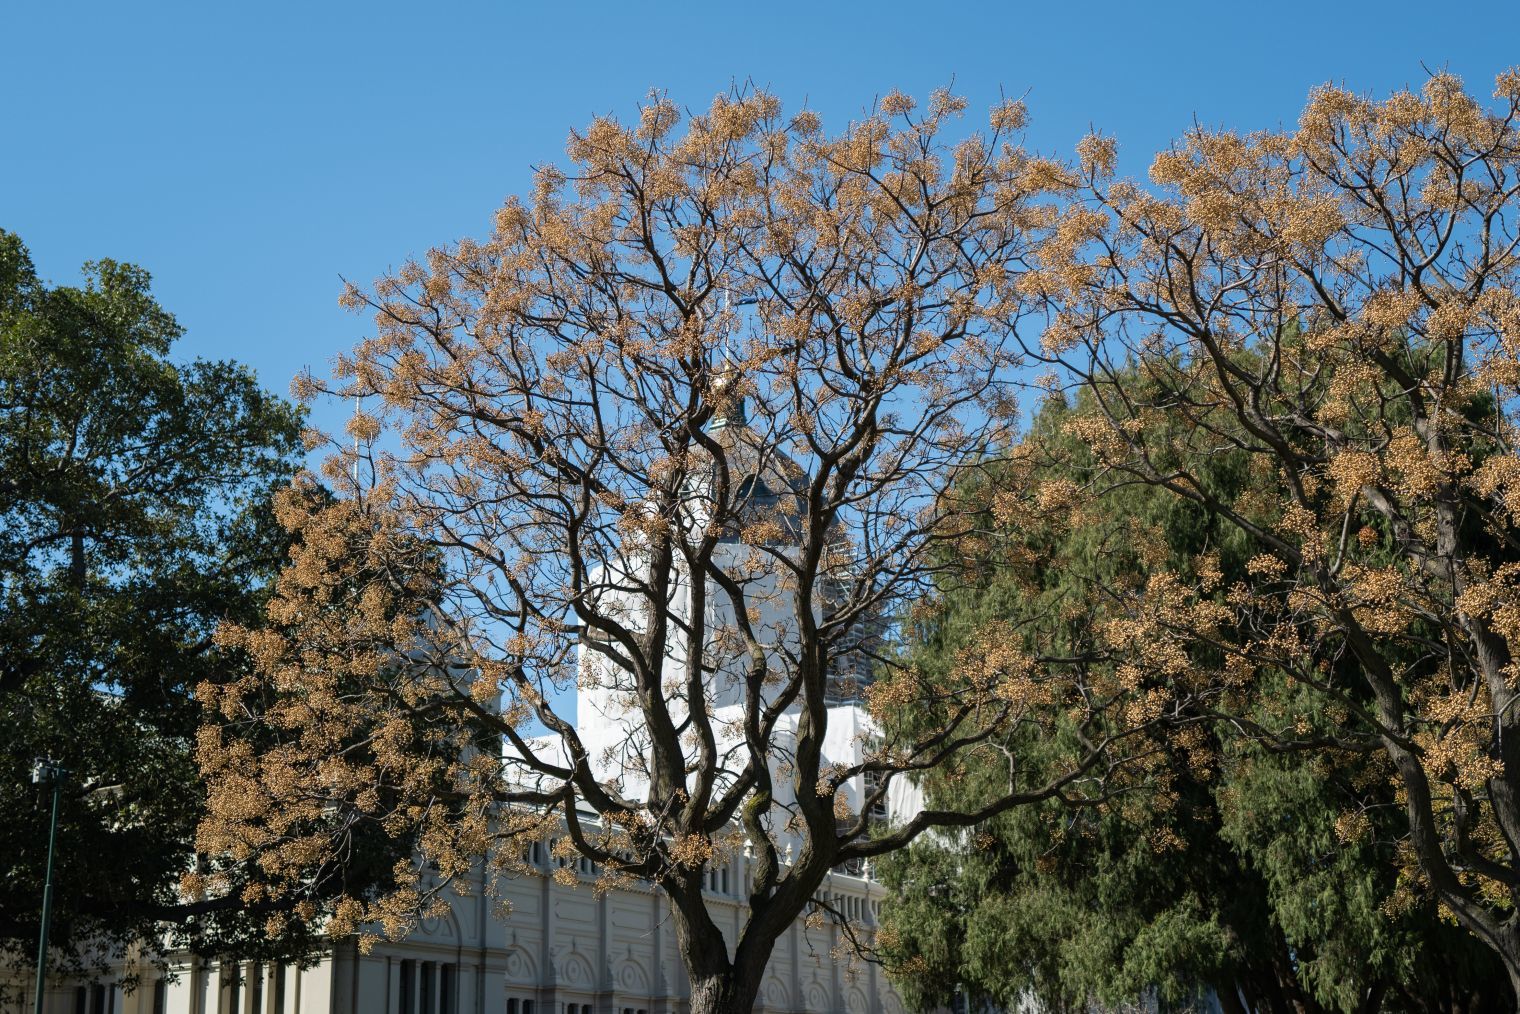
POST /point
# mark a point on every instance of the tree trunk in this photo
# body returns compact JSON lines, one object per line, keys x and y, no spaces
{"x":1503,"y":938}
{"x":719,"y":984}
{"x":1373,"y":1001}
{"x":1229,"y":998}
{"x":725,"y":993}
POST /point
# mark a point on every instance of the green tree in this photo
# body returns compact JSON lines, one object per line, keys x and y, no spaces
{"x":1340,"y":303}
{"x":1229,"y":866}
{"x":134,"y":518}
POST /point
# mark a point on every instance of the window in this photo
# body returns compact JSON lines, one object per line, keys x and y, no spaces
{"x":160,"y":997}
{"x":429,"y":972}
{"x":279,"y":989}
{"x":408,"y":990}
{"x":448,"y":978}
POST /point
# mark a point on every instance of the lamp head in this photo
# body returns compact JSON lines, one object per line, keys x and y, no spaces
{"x":46,"y":771}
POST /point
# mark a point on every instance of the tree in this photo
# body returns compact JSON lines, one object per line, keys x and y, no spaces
{"x":347,"y":598}
{"x":133,"y":519}
{"x":1338,"y":303}
{"x":676,"y":432}
{"x":1225,"y":872}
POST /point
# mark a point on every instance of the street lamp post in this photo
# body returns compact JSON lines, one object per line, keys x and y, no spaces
{"x":47,"y":772}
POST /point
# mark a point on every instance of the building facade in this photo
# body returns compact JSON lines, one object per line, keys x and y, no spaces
{"x":560,"y":949}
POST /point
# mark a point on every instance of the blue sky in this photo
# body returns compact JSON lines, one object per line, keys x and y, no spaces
{"x":249,"y":155}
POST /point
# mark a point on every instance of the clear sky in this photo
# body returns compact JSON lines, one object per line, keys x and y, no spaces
{"x":250,"y":154}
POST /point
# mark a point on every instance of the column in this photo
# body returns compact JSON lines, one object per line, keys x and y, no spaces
{"x":794,"y":947}
{"x":658,"y":982}
{"x":837,"y":985}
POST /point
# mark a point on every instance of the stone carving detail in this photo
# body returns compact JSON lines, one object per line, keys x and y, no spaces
{"x":520,"y":967}
{"x":576,"y":970}
{"x":444,"y":927}
{"x":775,"y":994}
{"x":633,"y":980}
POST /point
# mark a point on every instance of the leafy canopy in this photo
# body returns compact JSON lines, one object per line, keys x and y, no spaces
{"x":133,"y":519}
{"x":1225,"y":868}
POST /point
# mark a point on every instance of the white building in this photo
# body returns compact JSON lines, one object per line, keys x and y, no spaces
{"x":561,"y":950}
{"x":566,"y":949}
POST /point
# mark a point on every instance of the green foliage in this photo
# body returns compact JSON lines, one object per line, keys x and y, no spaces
{"x":1323,"y":833}
{"x":1222,"y":869}
{"x":134,"y":517}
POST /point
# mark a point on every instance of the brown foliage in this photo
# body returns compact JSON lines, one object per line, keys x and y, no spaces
{"x":1338,"y":305}
{"x":675,"y":433}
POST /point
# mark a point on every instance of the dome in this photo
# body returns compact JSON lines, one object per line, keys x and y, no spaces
{"x":765,"y":483}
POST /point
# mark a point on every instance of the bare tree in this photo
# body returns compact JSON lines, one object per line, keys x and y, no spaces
{"x":674,"y":436}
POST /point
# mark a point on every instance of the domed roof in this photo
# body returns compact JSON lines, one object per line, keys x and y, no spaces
{"x":765,"y":483}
